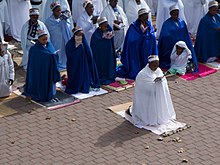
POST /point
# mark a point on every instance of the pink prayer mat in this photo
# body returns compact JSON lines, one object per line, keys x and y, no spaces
{"x":117,"y":86}
{"x":203,"y":71}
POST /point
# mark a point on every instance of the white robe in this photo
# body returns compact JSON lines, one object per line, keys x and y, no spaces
{"x":40,"y":7}
{"x":47,"y":11}
{"x":18,"y":15}
{"x":4,"y":19}
{"x":152,"y":104}
{"x":87,"y":25}
{"x":6,"y":73}
{"x":109,"y":13}
{"x":163,"y":12}
{"x":132,"y":10}
{"x":179,"y":62}
{"x":26,"y":44}
{"x":77,"y":8}
{"x":194,"y":11}
{"x":153,"y":5}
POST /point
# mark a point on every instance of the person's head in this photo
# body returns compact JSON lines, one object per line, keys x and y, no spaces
{"x":88,"y":7}
{"x":56,"y":9}
{"x":143,"y":14}
{"x":42,"y":37}
{"x":174,"y":12}
{"x":113,"y":3}
{"x":138,"y":2}
{"x":180,"y":47}
{"x":103,"y":24}
{"x":78,"y":31}
{"x":34,"y":15}
{"x":213,"y":8}
{"x":153,"y":61}
{"x":179,"y":50}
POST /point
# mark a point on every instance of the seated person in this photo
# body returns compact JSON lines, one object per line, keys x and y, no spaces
{"x":179,"y":58}
{"x":42,"y":70}
{"x":81,"y":68}
{"x":6,"y":71}
{"x":173,"y":30}
{"x":152,"y":104}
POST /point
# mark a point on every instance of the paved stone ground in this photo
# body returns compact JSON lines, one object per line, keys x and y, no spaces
{"x":98,"y":136}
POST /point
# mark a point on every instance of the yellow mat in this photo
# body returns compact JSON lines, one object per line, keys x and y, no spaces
{"x":6,"y":111}
{"x":120,"y":107}
{"x":13,"y":95}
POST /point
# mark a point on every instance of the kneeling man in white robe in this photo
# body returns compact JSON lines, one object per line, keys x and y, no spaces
{"x":6,"y":71}
{"x":152,"y":104}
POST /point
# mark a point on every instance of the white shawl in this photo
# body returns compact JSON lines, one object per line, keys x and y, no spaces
{"x":152,"y":104}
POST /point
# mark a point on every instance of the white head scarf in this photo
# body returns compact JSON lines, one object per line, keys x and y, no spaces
{"x":181,"y":44}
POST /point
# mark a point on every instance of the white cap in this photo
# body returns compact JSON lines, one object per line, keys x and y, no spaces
{"x":85,"y":4}
{"x":174,"y":7}
{"x":213,"y":3}
{"x":76,"y":29}
{"x":41,"y":33}
{"x":143,"y":11}
{"x":152,"y":58}
{"x":34,"y":11}
{"x":102,"y":20}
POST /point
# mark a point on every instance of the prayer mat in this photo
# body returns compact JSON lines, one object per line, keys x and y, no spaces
{"x":62,"y":100}
{"x":83,"y":95}
{"x":203,"y":71}
{"x":11,"y":96}
{"x":215,"y":64}
{"x":167,"y":129}
{"x":90,"y":94}
{"x":6,"y":111}
{"x":117,"y":86}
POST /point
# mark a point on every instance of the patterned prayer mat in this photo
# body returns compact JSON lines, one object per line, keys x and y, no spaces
{"x":167,"y":129}
{"x":62,"y":100}
{"x":117,"y":86}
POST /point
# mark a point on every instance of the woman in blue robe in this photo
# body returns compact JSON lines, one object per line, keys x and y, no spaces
{"x":173,"y":30}
{"x":102,"y":45}
{"x":81,"y":68}
{"x":140,"y":42}
{"x":59,"y":26}
{"x":208,"y":35}
{"x":42,"y":71}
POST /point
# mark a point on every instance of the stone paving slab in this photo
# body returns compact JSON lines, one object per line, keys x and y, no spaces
{"x":89,"y":134}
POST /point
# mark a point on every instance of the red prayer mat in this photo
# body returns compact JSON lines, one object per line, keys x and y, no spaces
{"x":117,"y":86}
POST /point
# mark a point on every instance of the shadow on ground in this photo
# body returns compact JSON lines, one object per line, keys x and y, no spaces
{"x":120,"y":134}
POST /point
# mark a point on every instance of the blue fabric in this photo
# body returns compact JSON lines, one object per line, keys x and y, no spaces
{"x":208,"y":38}
{"x":105,"y":56}
{"x":137,"y":47}
{"x":42,"y":73}
{"x":60,"y":34}
{"x":81,"y":68}
{"x":170,"y":34}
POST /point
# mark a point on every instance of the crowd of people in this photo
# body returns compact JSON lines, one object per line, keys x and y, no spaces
{"x":87,"y":37}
